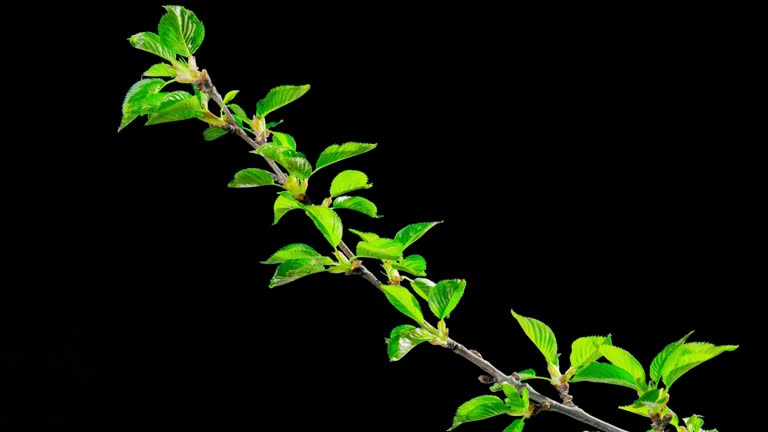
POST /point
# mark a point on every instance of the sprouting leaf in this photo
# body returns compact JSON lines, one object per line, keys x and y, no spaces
{"x":327,"y":222}
{"x":284,"y":140}
{"x":359,"y":204}
{"x":212,"y":133}
{"x":413,"y":264}
{"x":404,"y":338}
{"x":518,"y":402}
{"x":479,"y":408}
{"x":381,"y":248}
{"x":515,"y":426}
{"x":365,"y":236}
{"x":661,"y":357}
{"x":649,"y":401}
{"x":445,"y":296}
{"x":404,"y":301}
{"x":623,"y":359}
{"x":541,"y":335}
{"x":160,"y":70}
{"x":135,"y":102}
{"x":526,"y":374}
{"x":335,"y":153}
{"x":284,"y":203}
{"x":348,"y":181}
{"x":606,"y":373}
{"x":687,"y":356}
{"x":586,"y":350}
{"x":693,"y":423}
{"x":229,"y":96}
{"x":184,"y":108}
{"x":293,"y":269}
{"x":180,"y":30}
{"x":279,"y":97}
{"x":345,"y":267}
{"x":238,"y":111}
{"x":150,"y":42}
{"x":413,"y":232}
{"x":252,"y":177}
{"x":294,"y":251}
{"x":422,"y":287}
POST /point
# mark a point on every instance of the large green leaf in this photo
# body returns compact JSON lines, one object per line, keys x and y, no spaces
{"x":422,"y":287}
{"x":403,"y":338}
{"x":213,"y":133}
{"x":479,"y":408}
{"x":180,"y":30}
{"x":413,"y":264}
{"x":336,"y":152}
{"x":359,"y":204}
{"x":252,"y":177}
{"x":445,"y":296}
{"x":150,"y":42}
{"x":160,"y":70}
{"x":661,"y":357}
{"x":586,"y":350}
{"x":293,"y":269}
{"x":607,"y":374}
{"x":413,"y":232}
{"x":365,"y":236}
{"x":294,"y":251}
{"x":185,"y":107}
{"x":284,"y":203}
{"x":279,"y":97}
{"x":284,"y":140}
{"x":348,"y":181}
{"x":327,"y":222}
{"x":687,"y":356}
{"x":623,"y":359}
{"x":515,"y":426}
{"x":541,"y":335}
{"x":135,"y":101}
{"x":381,"y":248}
{"x":404,"y":301}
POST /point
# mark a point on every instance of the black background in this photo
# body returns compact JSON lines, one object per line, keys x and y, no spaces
{"x":594,"y":168}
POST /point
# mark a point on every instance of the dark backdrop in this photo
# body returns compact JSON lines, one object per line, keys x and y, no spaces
{"x":593,"y":168}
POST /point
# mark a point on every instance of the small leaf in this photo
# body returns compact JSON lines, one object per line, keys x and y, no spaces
{"x":359,"y":204}
{"x":413,"y":264}
{"x":293,"y":269}
{"x":335,"y":153}
{"x":422,"y":287}
{"x":294,"y":251}
{"x":658,"y":362}
{"x":381,"y":248}
{"x":687,"y":356}
{"x":238,"y":111}
{"x":212,"y":133}
{"x":413,"y":232}
{"x":623,"y":359}
{"x":160,"y":70}
{"x":606,"y":373}
{"x":279,"y":97}
{"x":528,"y":374}
{"x":180,"y":30}
{"x":366,"y":236}
{"x":516,"y":401}
{"x":150,"y":42}
{"x":479,"y":408}
{"x":229,"y":96}
{"x":341,"y":268}
{"x":586,"y":350}
{"x":516,"y":426}
{"x":404,"y":301}
{"x":327,"y":222}
{"x":183,"y":108}
{"x":541,"y":335}
{"x":284,"y":203}
{"x":284,"y":140}
{"x":348,"y":181}
{"x":252,"y":177}
{"x":445,"y":296}
{"x":693,"y":423}
{"x":404,"y":338}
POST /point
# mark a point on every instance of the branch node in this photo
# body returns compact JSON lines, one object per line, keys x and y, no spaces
{"x":485,"y":379}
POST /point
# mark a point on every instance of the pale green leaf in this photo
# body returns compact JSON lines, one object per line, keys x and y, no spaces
{"x":404,"y":338}
{"x":294,"y":251}
{"x":185,"y":108}
{"x":528,"y":374}
{"x":689,"y":355}
{"x":150,"y":42}
{"x":341,"y":268}
{"x":359,"y":204}
{"x":238,"y":111}
{"x":381,"y":248}
{"x":693,"y":423}
{"x":252,"y":177}
{"x":658,"y":362}
{"x":607,"y":374}
{"x":516,"y":401}
{"x":365,"y":236}
{"x":413,"y":232}
{"x":445,"y":296}
{"x":586,"y":350}
{"x":348,"y":181}
{"x":404,"y":301}
{"x":284,"y":140}
{"x":413,"y":264}
{"x":284,"y":203}
{"x":327,"y":222}
{"x":422,"y":287}
{"x":622,"y":358}
{"x":293,"y":269}
{"x":229,"y":96}
{"x":279,"y":97}
{"x":335,"y":153}
{"x":479,"y":408}
{"x":213,"y":133}
{"x":541,"y":335}
{"x":180,"y":30}
{"x":515,"y":426}
{"x":160,"y":70}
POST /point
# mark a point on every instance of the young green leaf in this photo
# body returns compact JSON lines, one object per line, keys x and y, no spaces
{"x":150,"y":42}
{"x":404,"y":301}
{"x":526,"y":374}
{"x":515,"y":426}
{"x":403,"y":338}
{"x":359,"y":204}
{"x":327,"y":222}
{"x":293,"y":269}
{"x":238,"y":111}
{"x":183,"y":107}
{"x":413,"y":264}
{"x":284,"y":140}
{"x":335,"y":153}
{"x":445,"y":296}
{"x":180,"y":30}
{"x":622,"y":358}
{"x":413,"y":232}
{"x":661,"y":357}
{"x":284,"y":203}
{"x":517,"y":402}
{"x":295,"y":163}
{"x":586,"y":350}
{"x":365,"y":236}
{"x":422,"y":287}
{"x":541,"y":335}
{"x":479,"y":408}
{"x":229,"y":96}
{"x":135,"y":102}
{"x":252,"y":177}
{"x":294,"y":251}
{"x":649,"y":402}
{"x":381,"y":248}
{"x":160,"y":70}
{"x":279,"y":97}
{"x":341,"y":268}
{"x":606,"y":373}
{"x":213,"y":133}
{"x":348,"y":181}
{"x":687,"y":356}
{"x":693,"y":423}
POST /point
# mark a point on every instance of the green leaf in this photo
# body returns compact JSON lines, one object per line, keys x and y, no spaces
{"x":341,"y":268}
{"x":404,"y":301}
{"x":516,"y":401}
{"x":366,"y":236}
{"x":160,"y":70}
{"x":180,"y":30}
{"x":403,"y":338}
{"x":327,"y":222}
{"x":658,"y":362}
{"x":238,"y":111}
{"x":693,"y":423}
{"x":348,"y":181}
{"x":279,"y":97}
{"x":284,"y":140}
{"x":413,"y":264}
{"x":229,"y":96}
{"x":335,"y":153}
{"x":296,"y":164}
{"x":413,"y":232}
{"x":606,"y":373}
{"x":515,"y":426}
{"x":647,"y":402}
{"x":284,"y":203}
{"x":294,"y":251}
{"x":212,"y":133}
{"x":183,"y":107}
{"x":252,"y":177}
{"x":528,"y":374}
{"x":541,"y":335}
{"x":422,"y":287}
{"x":381,"y":248}
{"x":586,"y":350}
{"x":479,"y":408}
{"x":687,"y":356}
{"x":623,"y":359}
{"x":150,"y":42}
{"x":445,"y":296}
{"x":135,"y":101}
{"x":293,"y":269}
{"x":359,"y":204}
